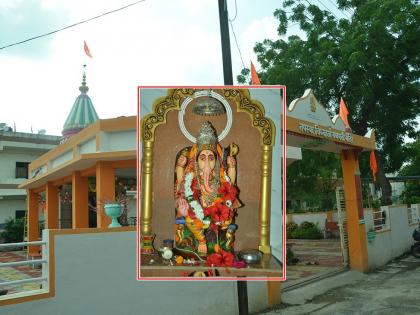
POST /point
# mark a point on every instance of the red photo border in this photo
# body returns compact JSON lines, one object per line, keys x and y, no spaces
{"x":283,"y":136}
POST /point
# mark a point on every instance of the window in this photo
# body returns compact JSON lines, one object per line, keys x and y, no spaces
{"x":22,"y":169}
{"x":20,"y":214}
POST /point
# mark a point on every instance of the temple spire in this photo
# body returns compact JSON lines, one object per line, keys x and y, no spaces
{"x":84,"y":88}
{"x":82,"y":113}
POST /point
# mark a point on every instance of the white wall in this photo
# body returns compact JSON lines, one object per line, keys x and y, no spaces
{"x":88,"y":146}
{"x":390,"y":243}
{"x":8,"y":161}
{"x":118,"y":141}
{"x":8,"y":208}
{"x":95,"y":274}
{"x":61,"y":159}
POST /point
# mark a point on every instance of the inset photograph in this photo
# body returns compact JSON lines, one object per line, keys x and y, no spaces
{"x":211,"y":185}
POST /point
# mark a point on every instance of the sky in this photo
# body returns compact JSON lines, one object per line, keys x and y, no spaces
{"x":155,"y":42}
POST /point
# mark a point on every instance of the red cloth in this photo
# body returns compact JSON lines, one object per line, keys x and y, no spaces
{"x":86,"y":48}
{"x":344,"y":112}
{"x":255,"y":80}
{"x":373,"y":165}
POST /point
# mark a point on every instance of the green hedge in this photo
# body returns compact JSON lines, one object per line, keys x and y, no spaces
{"x":13,"y":231}
{"x":306,"y":230}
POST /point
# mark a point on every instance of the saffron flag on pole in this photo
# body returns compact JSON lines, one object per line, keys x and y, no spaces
{"x":343,"y":113}
{"x":87,"y":51}
{"x":373,"y":165}
{"x":254,"y":76}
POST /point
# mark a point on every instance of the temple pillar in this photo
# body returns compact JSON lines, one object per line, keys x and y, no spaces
{"x":273,"y":293}
{"x":80,"y":214}
{"x":33,"y":220}
{"x":146,"y":189}
{"x":52,"y":203}
{"x":265,"y":199}
{"x":105,"y":191}
{"x":354,"y":208}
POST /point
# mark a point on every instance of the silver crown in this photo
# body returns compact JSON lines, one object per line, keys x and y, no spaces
{"x":207,"y":138}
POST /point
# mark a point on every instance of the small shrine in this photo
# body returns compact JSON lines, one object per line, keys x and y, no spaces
{"x":206,"y":175}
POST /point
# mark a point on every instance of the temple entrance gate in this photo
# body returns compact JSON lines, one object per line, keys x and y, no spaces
{"x":310,"y":126}
{"x":342,"y":224}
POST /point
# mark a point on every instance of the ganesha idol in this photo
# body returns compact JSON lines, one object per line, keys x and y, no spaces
{"x":206,"y":196}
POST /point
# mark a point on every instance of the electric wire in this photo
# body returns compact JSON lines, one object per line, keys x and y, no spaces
{"x":342,"y":12}
{"x":72,"y":25}
{"x":328,"y":9}
{"x":236,"y":43}
{"x":236,"y":13}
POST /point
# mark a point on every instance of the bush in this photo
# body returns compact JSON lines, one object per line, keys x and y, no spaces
{"x":13,"y":230}
{"x":290,"y":227}
{"x":306,"y":225}
{"x":290,"y":257}
{"x":312,"y":232}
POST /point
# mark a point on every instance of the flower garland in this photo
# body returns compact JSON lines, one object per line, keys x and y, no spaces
{"x":189,"y":196}
{"x":220,"y":211}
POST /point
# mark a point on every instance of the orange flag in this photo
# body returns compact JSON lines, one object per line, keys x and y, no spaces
{"x":255,"y":80}
{"x":373,"y":165}
{"x":87,"y":51}
{"x":343,"y":113}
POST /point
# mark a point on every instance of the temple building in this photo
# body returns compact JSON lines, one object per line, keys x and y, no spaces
{"x":94,"y":163}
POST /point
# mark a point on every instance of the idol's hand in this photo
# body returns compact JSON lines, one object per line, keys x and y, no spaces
{"x":231,"y":162}
{"x":182,"y":206}
{"x":182,"y":161}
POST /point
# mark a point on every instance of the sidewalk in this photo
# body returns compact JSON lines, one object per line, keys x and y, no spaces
{"x":393,"y":289}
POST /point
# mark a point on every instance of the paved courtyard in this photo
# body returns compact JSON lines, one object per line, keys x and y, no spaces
{"x":393,"y":289}
{"x":17,"y":272}
{"x":316,"y":259}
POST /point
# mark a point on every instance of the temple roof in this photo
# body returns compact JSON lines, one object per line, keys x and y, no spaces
{"x":83,"y":112}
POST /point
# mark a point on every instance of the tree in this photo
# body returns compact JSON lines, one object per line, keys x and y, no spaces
{"x":411,"y":193}
{"x":370,"y":59}
{"x":314,"y":179}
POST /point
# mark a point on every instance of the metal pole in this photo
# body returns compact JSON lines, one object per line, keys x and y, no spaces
{"x":224,"y":32}
{"x":228,"y":80}
{"x":242,"y":297}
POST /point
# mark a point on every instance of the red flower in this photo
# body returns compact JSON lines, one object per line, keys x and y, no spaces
{"x":224,"y":189}
{"x":218,"y":212}
{"x":228,"y":191}
{"x":220,"y":259}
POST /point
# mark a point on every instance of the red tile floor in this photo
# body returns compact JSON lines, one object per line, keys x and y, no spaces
{"x":316,"y":258}
{"x":18,"y":272}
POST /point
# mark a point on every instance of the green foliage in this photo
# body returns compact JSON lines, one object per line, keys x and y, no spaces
{"x":13,"y":230}
{"x":371,"y":60}
{"x":313,"y":179}
{"x":306,"y":230}
{"x":290,"y":257}
{"x":411,"y":193}
{"x":308,"y":233}
{"x":290,"y":228}
{"x":306,"y":225}
{"x":376,"y":204}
